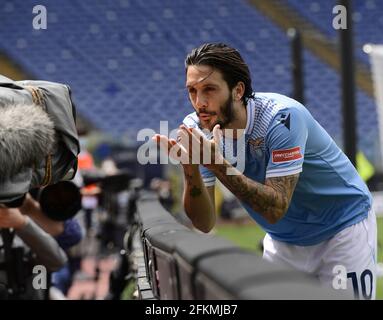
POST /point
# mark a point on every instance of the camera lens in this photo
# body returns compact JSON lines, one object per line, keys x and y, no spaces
{"x":60,"y":201}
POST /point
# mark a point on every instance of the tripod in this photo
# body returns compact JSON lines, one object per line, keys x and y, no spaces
{"x":13,"y":265}
{"x":17,"y":266}
{"x":126,"y":271}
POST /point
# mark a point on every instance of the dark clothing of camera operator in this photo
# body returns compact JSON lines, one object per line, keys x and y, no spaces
{"x":38,"y":149}
{"x":38,"y":138}
{"x":30,"y":246}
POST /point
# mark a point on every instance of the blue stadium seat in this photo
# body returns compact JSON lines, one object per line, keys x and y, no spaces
{"x":124,"y":59}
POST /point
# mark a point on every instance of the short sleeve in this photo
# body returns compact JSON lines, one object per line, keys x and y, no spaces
{"x":208,"y":177}
{"x":286,"y":142}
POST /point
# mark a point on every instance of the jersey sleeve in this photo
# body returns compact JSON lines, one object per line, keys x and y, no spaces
{"x":208,"y":177}
{"x":286,"y":142}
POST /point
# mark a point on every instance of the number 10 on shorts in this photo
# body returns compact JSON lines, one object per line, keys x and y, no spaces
{"x":362,"y":285}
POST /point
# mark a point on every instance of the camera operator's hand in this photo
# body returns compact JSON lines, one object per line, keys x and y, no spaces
{"x":31,"y":208}
{"x":12,"y":218}
{"x":39,"y":241}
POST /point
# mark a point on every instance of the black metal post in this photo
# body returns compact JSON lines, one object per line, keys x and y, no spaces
{"x":348,"y":85}
{"x":297,"y":64}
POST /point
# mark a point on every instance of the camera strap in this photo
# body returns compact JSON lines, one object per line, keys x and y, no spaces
{"x":38,"y":99}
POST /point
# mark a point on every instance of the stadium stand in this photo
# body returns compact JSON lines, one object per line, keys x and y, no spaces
{"x":125,"y":58}
{"x":365,"y":11}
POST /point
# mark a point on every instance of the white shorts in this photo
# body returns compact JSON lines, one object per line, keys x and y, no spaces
{"x":352,"y":252}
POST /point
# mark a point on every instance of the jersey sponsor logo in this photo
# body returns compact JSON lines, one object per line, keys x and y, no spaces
{"x":286,"y":155}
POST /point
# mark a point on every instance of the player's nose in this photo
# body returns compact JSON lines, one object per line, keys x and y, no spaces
{"x":200,"y":101}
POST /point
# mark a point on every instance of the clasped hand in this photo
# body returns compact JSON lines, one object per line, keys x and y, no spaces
{"x":192,"y":147}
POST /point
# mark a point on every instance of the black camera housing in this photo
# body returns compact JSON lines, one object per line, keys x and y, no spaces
{"x":60,"y":201}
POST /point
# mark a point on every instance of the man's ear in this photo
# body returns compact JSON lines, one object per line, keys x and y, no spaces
{"x":238,"y":91}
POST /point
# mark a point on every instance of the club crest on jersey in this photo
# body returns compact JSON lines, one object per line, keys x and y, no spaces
{"x":256,"y":146}
{"x":286,"y":155}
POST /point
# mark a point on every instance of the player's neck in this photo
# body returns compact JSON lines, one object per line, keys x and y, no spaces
{"x":239,"y":120}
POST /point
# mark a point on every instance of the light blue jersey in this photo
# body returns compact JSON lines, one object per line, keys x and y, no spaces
{"x":282,"y":138}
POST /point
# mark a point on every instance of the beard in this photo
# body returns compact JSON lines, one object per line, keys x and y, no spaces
{"x":225,"y":116}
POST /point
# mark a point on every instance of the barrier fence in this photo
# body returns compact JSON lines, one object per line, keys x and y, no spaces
{"x":179,"y":263}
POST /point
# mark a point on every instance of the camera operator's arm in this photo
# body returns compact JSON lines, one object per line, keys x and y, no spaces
{"x":41,"y":243}
{"x":67,"y":233}
{"x":31,"y":208}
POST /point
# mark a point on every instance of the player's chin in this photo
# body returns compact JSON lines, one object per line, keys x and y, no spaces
{"x":208,"y":124}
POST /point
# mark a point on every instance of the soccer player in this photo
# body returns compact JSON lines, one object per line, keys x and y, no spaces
{"x":296,"y":184}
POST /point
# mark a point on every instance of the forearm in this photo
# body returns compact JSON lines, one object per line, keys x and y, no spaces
{"x":270,"y":203}
{"x":43,"y":245}
{"x":32,"y":209}
{"x":54,"y":228}
{"x":197,"y":203}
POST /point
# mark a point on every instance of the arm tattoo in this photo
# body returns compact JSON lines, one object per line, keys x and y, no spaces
{"x":271,"y":199}
{"x":194,"y":190}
